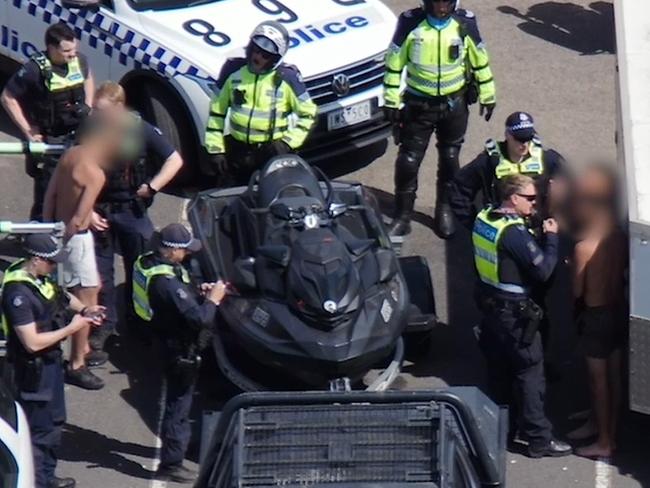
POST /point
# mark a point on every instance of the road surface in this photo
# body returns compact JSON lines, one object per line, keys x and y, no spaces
{"x":552,"y":59}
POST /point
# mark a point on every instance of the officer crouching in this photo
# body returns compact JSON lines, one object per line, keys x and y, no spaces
{"x":164,"y":296}
{"x":509,"y":261}
{"x":32,"y":306}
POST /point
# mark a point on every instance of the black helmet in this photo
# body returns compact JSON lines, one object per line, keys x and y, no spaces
{"x":427,"y":5}
{"x":272,"y":37}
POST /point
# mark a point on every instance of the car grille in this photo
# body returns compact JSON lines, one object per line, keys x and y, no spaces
{"x":363,"y":75}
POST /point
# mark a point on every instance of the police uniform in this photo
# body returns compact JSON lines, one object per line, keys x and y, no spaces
{"x":53,"y":98}
{"x":257,"y":107}
{"x":130,"y":227}
{"x":484,"y":172}
{"x":164,"y":296}
{"x":447,"y":66}
{"x":38,"y":376}
{"x":509,"y":261}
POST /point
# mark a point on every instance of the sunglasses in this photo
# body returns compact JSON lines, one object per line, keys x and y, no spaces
{"x":530,"y":198}
{"x":262,"y":52}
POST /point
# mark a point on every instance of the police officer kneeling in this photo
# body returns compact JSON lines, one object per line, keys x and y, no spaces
{"x":163,"y":295}
{"x":32,"y":304}
{"x":508,"y":261}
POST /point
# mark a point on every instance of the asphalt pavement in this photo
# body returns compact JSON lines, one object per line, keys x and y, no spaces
{"x":552,"y":59}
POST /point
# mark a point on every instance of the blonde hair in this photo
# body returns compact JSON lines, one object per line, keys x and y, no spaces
{"x":111,"y":91}
{"x":513,"y":184}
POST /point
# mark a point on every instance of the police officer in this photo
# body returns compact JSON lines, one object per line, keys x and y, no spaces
{"x":164,"y":296}
{"x":32,"y":304}
{"x":447,"y":69}
{"x":521,"y":152}
{"x":257,"y":95}
{"x":47,"y":99}
{"x":121,"y":217}
{"x":509,"y":261}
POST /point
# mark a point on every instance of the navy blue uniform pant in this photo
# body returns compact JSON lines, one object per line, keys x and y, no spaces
{"x":45,"y":412}
{"x":516,"y":372}
{"x":131,"y":231}
{"x":176,"y":428}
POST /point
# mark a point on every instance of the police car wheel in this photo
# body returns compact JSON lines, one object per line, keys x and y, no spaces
{"x":161,"y":108}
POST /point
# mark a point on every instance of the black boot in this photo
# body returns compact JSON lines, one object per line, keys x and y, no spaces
{"x":401,"y":224}
{"x":444,"y":224}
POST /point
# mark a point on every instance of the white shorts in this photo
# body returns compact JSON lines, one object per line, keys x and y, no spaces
{"x":80,"y":267}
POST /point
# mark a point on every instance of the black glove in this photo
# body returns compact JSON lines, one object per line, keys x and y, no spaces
{"x":218,"y":163}
{"x":279,"y":147}
{"x":487,"y":109}
{"x":392,"y":115}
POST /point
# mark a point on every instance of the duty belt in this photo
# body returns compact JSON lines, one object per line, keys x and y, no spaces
{"x":118,"y":207}
{"x":411,"y":95}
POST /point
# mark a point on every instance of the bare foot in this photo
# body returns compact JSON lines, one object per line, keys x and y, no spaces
{"x":594,"y":451}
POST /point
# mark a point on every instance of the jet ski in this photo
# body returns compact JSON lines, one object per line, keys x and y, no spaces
{"x":318,"y":296}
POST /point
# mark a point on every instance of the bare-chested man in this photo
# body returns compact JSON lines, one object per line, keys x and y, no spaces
{"x":70,"y":197}
{"x":600,"y":259}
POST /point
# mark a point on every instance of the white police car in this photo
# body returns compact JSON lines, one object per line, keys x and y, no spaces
{"x":16,"y":461}
{"x":168,"y":53}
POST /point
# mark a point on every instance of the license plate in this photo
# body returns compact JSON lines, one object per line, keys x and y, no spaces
{"x":347,"y":116}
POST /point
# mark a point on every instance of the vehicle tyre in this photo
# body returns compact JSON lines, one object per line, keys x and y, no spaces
{"x":161,"y":107}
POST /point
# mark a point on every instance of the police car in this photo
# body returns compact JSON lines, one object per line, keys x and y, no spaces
{"x":168,"y":54}
{"x":16,"y":461}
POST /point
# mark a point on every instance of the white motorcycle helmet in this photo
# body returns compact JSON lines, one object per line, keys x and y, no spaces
{"x":271,"y":37}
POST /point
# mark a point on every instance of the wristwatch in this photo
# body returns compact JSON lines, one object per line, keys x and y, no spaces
{"x":152,"y":189}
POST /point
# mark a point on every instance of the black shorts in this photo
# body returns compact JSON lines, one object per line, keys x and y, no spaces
{"x":602,"y":330}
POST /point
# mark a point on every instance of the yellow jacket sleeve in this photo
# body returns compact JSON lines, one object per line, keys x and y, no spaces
{"x":301,"y":106}
{"x":397,"y":56}
{"x":479,"y":60}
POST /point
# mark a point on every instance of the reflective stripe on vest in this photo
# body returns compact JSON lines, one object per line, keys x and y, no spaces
{"x":15,"y":274}
{"x":485,"y":237}
{"x":142,"y":279}
{"x":55,"y":82}
{"x":432,"y":69}
{"x":533,"y":165}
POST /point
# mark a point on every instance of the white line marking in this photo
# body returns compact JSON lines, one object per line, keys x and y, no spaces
{"x":603,"y":473}
{"x":161,"y":412}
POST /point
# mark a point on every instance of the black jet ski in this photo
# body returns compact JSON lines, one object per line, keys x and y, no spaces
{"x":319,"y":295}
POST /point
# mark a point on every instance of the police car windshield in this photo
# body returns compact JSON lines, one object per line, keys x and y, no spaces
{"x":167,"y":4}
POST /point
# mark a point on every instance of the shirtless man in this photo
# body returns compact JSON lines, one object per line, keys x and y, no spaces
{"x":70,"y":197}
{"x":600,"y":258}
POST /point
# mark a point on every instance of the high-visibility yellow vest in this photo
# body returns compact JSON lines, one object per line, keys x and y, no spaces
{"x":438,"y":62}
{"x":15,"y":274}
{"x":257,"y":107}
{"x":485,"y":237}
{"x":55,"y":82}
{"x":531,"y":166}
{"x":142,"y":278}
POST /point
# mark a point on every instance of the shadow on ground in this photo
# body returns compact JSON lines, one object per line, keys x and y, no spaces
{"x":98,"y":450}
{"x":588,"y":31}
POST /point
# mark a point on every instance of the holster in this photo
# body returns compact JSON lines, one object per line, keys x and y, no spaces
{"x":28,"y":373}
{"x":186,"y":368}
{"x":31,"y":166}
{"x":531,"y":315}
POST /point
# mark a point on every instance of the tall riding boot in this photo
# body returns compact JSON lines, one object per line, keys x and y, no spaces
{"x":444,"y":224}
{"x":404,"y":204}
